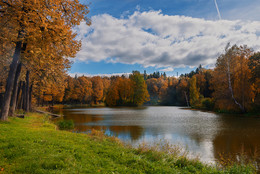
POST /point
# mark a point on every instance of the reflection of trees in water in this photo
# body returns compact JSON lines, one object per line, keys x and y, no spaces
{"x":134,"y":131}
{"x":80,"y":119}
{"x":85,"y":128}
{"x":241,"y":137}
{"x":197,"y":137}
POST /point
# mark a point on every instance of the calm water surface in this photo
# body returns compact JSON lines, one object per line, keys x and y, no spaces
{"x":202,"y":133}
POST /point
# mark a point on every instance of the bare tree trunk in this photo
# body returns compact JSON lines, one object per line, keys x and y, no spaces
{"x":27,"y":104}
{"x":230,"y":87}
{"x":15,"y":89}
{"x":18,"y":94}
{"x":30,"y":98}
{"x":10,"y":80}
{"x":24,"y":96}
{"x":186,"y":99}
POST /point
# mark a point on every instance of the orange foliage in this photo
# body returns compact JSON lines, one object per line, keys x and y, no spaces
{"x":97,"y":87}
{"x":231,"y":80}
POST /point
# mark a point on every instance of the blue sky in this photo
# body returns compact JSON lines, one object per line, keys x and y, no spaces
{"x":162,"y":35}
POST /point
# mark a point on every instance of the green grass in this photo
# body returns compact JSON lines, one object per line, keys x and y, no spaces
{"x":34,"y":145}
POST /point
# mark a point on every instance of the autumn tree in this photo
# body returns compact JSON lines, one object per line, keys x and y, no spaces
{"x":162,"y":84}
{"x":140,"y":93}
{"x":254,"y":65}
{"x":157,"y":88}
{"x":169,"y":96}
{"x":6,"y":51}
{"x":85,"y":89}
{"x":231,"y":79}
{"x":200,"y":81}
{"x":106,"y":83}
{"x":30,"y":20}
{"x":112,"y":94}
{"x":97,"y":87}
{"x":194,"y":91}
{"x":208,"y":76}
{"x":78,"y":90}
{"x":120,"y":92}
{"x":182,"y":89}
{"x":125,"y":91}
{"x":153,"y":90}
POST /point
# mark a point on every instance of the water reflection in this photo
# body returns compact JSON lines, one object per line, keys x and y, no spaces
{"x":238,"y":136}
{"x":205,"y":134}
{"x":134,"y":132}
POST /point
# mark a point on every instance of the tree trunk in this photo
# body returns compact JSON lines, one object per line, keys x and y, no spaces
{"x":24,"y":95}
{"x":186,"y":98}
{"x":10,"y":81}
{"x":30,"y":98}
{"x":18,"y":94}
{"x":15,"y":89}
{"x":27,"y":104}
{"x":230,"y":87}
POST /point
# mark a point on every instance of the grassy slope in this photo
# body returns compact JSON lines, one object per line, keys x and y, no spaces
{"x":33,"y":145}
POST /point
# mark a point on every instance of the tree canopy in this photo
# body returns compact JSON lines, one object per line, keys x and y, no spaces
{"x":41,"y":35}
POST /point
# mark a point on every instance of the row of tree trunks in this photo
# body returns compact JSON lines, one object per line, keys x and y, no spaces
{"x":25,"y":96}
{"x":15,"y":91}
{"x":24,"y":99}
{"x":10,"y":81}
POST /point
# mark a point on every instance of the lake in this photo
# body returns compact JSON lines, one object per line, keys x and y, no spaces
{"x":204,"y":134}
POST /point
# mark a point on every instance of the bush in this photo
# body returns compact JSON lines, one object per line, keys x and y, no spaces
{"x":65,"y":124}
{"x":208,"y":103}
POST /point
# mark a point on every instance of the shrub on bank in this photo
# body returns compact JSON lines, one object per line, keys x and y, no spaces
{"x":65,"y":124}
{"x":208,"y":103}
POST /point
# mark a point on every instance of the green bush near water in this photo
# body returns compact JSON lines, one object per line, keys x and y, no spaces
{"x":65,"y":124}
{"x":29,"y":146}
{"x":208,"y":103}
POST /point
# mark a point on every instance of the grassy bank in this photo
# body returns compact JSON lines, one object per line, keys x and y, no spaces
{"x":34,"y":145}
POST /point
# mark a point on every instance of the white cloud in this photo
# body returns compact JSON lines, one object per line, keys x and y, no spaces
{"x":167,"y":69}
{"x":153,"y":39}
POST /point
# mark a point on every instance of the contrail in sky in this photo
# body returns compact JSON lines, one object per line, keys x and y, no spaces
{"x":217,"y":9}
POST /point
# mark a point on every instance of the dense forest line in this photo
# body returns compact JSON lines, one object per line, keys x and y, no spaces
{"x":233,"y":85}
